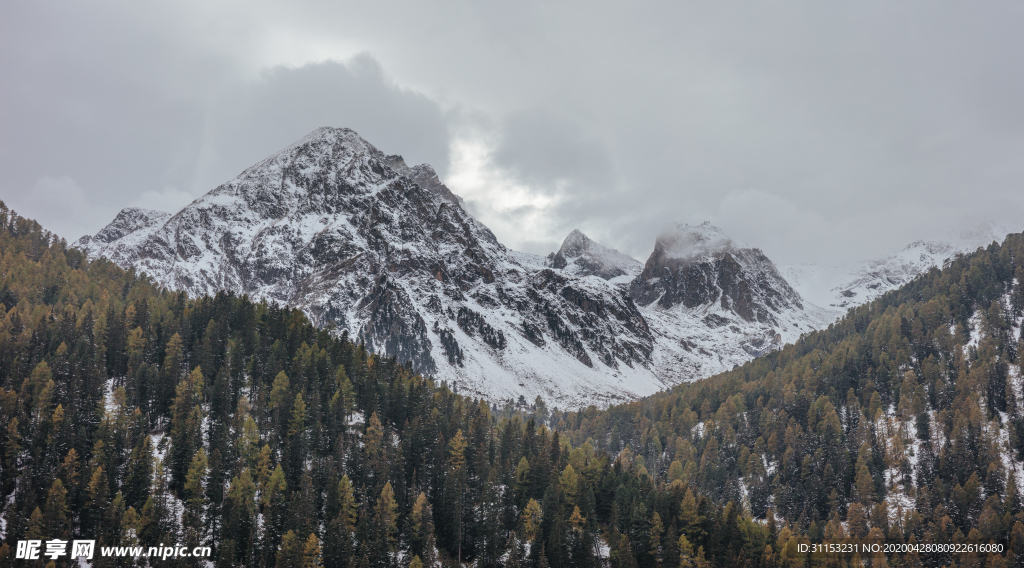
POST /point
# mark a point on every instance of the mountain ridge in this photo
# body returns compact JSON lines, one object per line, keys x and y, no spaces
{"x":327,"y":225}
{"x":361,"y":241}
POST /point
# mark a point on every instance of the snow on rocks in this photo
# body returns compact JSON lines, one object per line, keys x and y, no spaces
{"x":714,"y":303}
{"x":363,"y":242}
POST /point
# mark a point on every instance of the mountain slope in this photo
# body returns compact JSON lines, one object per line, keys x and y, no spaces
{"x":360,"y":241}
{"x":240,"y":427}
{"x":901,"y":421}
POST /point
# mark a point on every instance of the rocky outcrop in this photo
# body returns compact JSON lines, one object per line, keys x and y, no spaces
{"x":714,"y":303}
{"x":698,"y":266}
{"x":583,"y":257}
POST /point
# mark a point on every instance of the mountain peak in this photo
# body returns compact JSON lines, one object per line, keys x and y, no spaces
{"x":129,"y":220}
{"x":576,"y":243}
{"x":699,"y":266}
{"x":582,"y":256}
{"x":330,"y":133}
{"x":686,"y":242}
{"x":330,"y":139}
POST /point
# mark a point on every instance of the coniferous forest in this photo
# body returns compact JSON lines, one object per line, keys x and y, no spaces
{"x":138,"y":416}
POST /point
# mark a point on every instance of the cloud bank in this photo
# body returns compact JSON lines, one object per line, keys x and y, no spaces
{"x":815,"y":131}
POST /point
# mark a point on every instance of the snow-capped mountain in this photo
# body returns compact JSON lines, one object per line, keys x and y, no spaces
{"x":581,"y":256}
{"x":359,"y":240}
{"x":363,"y":242}
{"x":841,"y":286}
{"x":714,"y":303}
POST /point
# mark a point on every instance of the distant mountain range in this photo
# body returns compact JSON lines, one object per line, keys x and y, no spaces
{"x":387,"y":254}
{"x":841,"y":286}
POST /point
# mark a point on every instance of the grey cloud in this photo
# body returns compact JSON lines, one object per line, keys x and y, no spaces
{"x":811,"y":129}
{"x":541,"y":147}
{"x":109,"y":105}
{"x":252,"y":120}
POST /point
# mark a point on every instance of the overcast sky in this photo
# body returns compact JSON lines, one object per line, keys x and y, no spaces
{"x":814,"y":130}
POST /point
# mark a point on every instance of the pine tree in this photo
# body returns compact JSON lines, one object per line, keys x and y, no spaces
{"x":297,"y":422}
{"x":522,"y":481}
{"x":196,"y":503}
{"x":131,"y":527}
{"x":454,"y":494}
{"x":289,"y":554}
{"x":170,"y":375}
{"x":186,"y":420}
{"x":422,"y":530}
{"x":280,"y":400}
{"x":531,"y":519}
{"x":55,"y":512}
{"x":12,"y":451}
{"x":36,"y":528}
{"x":311,"y":555}
{"x":273,"y":496}
{"x":569,"y":481}
{"x":384,"y":526}
{"x":654,"y":544}
{"x":97,"y":499}
{"x":140,"y":472}
{"x":339,"y":543}
{"x":240,"y":514}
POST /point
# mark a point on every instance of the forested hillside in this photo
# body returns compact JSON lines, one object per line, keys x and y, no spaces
{"x":138,"y":416}
{"x":903,"y":422}
{"x":134,"y":415}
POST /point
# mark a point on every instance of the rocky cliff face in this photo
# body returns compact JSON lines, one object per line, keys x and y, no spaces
{"x":365,"y":243}
{"x":698,"y":266}
{"x":118,"y":239}
{"x":714,"y":303}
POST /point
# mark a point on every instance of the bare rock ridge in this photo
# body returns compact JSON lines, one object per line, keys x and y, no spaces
{"x":424,"y":176}
{"x":129,"y":220}
{"x":714,"y":303}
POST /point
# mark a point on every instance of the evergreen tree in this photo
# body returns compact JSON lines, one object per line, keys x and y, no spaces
{"x":289,"y":555}
{"x":311,"y":555}
{"x":140,"y":472}
{"x":384,"y":527}
{"x":193,"y":518}
{"x":240,"y":515}
{"x":186,"y":421}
